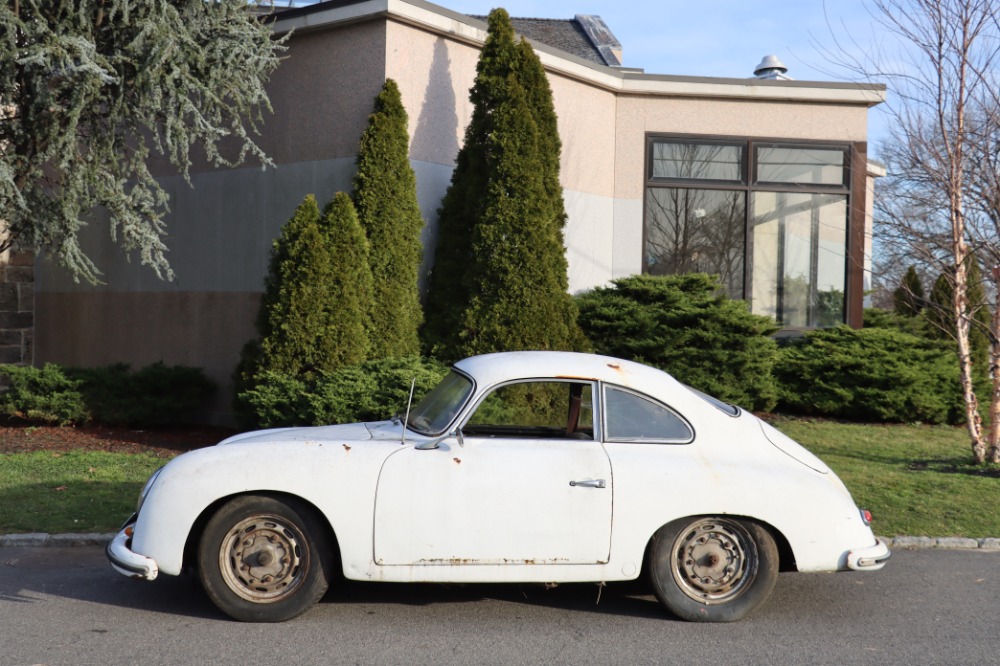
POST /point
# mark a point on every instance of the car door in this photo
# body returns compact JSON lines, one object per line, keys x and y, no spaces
{"x":526,"y":482}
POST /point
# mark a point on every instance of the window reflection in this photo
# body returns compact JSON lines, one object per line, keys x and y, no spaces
{"x":696,"y":231}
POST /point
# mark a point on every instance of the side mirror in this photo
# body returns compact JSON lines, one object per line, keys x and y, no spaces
{"x":436,"y":442}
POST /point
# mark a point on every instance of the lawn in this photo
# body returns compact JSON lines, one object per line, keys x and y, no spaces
{"x":916,"y":480}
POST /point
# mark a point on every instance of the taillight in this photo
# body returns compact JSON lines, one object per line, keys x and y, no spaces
{"x":866,"y":516}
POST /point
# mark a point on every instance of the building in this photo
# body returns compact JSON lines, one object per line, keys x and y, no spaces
{"x":764,"y":180}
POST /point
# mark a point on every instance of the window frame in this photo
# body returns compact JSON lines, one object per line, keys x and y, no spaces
{"x":595,"y":408}
{"x":849,"y":188}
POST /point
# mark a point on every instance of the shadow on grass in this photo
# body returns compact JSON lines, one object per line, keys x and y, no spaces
{"x":951,"y":466}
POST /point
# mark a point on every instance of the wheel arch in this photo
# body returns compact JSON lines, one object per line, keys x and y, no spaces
{"x":785,"y":552}
{"x":190,"y":559}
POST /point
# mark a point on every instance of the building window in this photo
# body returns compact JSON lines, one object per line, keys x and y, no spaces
{"x":769,"y":218}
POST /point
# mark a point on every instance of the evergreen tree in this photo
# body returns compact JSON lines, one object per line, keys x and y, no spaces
{"x":91,"y":90}
{"x":499,"y":279}
{"x":312,"y":314}
{"x":385,"y":196}
{"x":940,"y":310}
{"x":908,"y":298}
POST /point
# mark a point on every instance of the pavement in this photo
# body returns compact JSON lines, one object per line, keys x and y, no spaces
{"x":37,"y":539}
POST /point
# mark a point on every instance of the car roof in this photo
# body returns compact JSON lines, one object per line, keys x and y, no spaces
{"x":490,"y":369}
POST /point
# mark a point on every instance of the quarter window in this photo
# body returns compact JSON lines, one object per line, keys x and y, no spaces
{"x":634,"y":418}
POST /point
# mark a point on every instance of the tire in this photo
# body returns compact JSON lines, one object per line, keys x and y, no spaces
{"x":713,"y":569}
{"x":261,"y":559}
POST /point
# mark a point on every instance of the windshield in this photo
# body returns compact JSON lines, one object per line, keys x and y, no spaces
{"x":437,"y":409}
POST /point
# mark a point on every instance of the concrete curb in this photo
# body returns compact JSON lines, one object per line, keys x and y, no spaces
{"x":38,"y":539}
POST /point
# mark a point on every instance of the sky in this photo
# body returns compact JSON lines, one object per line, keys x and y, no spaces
{"x":725,"y":38}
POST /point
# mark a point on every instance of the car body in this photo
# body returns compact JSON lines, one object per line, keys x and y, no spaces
{"x":519,"y":467}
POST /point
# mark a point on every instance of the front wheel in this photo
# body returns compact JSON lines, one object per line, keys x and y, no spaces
{"x":261,"y":559}
{"x":713,"y":569}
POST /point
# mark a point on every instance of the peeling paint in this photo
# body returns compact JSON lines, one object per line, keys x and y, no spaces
{"x":457,"y":461}
{"x":346,"y":447}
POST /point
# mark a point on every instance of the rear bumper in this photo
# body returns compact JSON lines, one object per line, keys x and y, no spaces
{"x":871,"y":558}
{"x":127,"y":562}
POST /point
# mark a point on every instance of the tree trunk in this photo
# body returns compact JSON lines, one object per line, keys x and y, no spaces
{"x":993,"y":455}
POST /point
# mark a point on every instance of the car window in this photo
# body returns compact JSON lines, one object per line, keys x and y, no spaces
{"x":631,"y":417}
{"x":538,"y":409}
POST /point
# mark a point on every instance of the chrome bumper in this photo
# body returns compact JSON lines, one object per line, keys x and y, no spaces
{"x":127,"y":562}
{"x":871,"y":558}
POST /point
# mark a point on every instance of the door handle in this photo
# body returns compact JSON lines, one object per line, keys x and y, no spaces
{"x":590,"y":483}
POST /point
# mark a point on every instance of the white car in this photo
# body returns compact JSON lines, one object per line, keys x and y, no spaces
{"x":542,"y":467}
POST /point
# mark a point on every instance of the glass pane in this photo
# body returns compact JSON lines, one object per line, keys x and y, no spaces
{"x":535,"y":409}
{"x":799,"y":258}
{"x":436,"y":410}
{"x":633,"y":418}
{"x":811,"y":166}
{"x":697,"y":161}
{"x":696,"y":231}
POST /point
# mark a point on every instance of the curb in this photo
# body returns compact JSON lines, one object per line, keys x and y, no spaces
{"x":40,"y":539}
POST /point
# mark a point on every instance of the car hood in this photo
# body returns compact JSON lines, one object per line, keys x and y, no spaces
{"x":353,"y":432}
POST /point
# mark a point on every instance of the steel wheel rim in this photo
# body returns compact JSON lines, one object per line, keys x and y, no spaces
{"x":263,"y":559}
{"x":714,"y":561}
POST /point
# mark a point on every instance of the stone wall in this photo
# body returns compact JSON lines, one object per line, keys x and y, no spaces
{"x":17,"y":307}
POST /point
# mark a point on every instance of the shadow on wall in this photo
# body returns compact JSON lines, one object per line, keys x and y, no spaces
{"x":435,"y":140}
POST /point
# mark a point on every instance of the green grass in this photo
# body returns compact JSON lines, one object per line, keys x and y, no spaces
{"x":73,"y":491}
{"x":916,"y":480}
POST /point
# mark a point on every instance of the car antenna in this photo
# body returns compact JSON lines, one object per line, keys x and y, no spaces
{"x":409,"y":402}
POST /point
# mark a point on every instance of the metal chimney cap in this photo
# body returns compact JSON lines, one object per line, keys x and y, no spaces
{"x":770,"y":62}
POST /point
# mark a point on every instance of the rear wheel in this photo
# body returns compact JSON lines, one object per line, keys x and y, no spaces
{"x":261,"y":559}
{"x":713,"y":569}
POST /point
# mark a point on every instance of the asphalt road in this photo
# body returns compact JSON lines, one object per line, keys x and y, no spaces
{"x":65,"y":606}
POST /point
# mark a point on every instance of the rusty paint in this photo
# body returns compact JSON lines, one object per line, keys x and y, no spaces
{"x":346,"y":447}
{"x":457,"y":461}
{"x":614,"y":366}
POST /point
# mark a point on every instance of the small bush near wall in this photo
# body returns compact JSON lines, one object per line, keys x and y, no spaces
{"x":873,"y":374}
{"x":684,"y":324}
{"x":155,"y":395}
{"x":370,"y":391}
{"x":41,"y":394}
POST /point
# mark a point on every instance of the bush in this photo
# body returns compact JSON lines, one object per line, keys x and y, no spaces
{"x":685,"y":325}
{"x":872,"y":374}
{"x":370,"y":391}
{"x":43,"y":394}
{"x":156,"y":395}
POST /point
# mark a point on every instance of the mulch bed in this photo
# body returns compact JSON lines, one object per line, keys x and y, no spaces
{"x":160,"y":441}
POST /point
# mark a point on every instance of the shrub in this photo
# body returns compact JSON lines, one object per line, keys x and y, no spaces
{"x":43,"y":394}
{"x":872,"y":374}
{"x":684,"y":324}
{"x":156,"y":395}
{"x":370,"y":391}
{"x":153,"y":396}
{"x":385,"y":196}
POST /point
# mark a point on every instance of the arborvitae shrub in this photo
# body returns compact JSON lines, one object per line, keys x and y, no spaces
{"x":685,"y":325}
{"x":385,"y":196}
{"x":872,"y":374}
{"x":908,"y":299}
{"x":313,"y":314}
{"x":371,"y":391}
{"x":499,"y":280}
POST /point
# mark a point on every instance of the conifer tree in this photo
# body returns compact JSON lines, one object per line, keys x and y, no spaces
{"x":312,"y":314}
{"x":499,"y":279}
{"x":908,"y":298}
{"x":385,"y":196}
{"x":940,"y":310}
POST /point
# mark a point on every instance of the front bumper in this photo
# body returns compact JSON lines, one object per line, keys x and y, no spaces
{"x":871,"y":558}
{"x":127,"y":562}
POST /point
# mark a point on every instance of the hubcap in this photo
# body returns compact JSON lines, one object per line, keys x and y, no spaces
{"x":262,"y":559}
{"x":714,"y":561}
